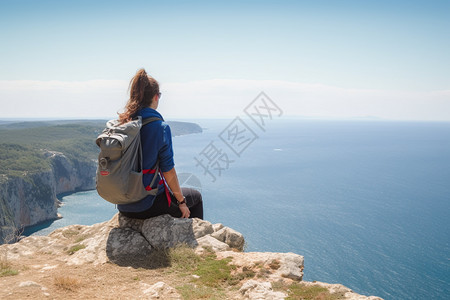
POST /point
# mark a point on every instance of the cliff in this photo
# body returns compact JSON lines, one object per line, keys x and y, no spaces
{"x":157,"y":258}
{"x":31,"y":198}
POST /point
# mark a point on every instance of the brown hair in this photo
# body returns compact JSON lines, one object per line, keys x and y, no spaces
{"x":142,"y":89}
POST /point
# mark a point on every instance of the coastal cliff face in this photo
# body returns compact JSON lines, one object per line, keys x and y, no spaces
{"x":71,"y":175}
{"x":29,"y":199}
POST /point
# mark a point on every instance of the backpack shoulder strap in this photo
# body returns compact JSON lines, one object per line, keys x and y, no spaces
{"x":149,"y":120}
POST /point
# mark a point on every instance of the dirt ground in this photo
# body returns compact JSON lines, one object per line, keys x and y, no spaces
{"x":40,"y":278}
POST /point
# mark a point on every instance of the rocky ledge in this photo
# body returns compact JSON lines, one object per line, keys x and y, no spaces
{"x":128,"y":244}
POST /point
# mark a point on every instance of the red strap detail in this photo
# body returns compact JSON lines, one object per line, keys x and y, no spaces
{"x":148,"y":188}
{"x":169,"y":200}
{"x":149,"y":171}
{"x":161,"y":181}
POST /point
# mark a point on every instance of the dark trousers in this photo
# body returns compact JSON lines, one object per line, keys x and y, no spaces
{"x":161,"y":206}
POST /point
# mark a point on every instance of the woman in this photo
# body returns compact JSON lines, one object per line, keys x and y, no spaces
{"x":156,"y":142}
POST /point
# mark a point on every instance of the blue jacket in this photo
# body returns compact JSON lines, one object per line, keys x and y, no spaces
{"x":156,"y":140}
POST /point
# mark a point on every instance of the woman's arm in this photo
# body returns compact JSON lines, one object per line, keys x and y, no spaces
{"x":172,"y":181}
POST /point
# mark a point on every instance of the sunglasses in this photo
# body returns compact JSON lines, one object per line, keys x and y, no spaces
{"x":159,"y":96}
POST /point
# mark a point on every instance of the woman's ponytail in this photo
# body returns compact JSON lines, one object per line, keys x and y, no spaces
{"x":142,"y":89}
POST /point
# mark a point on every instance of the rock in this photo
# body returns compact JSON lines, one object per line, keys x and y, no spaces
{"x":339,"y":288}
{"x":29,"y":283}
{"x":201,"y":228}
{"x":159,"y":290}
{"x":166,"y":232}
{"x":94,"y":239}
{"x":284,"y":265}
{"x":217,"y":227}
{"x":231,"y":237}
{"x":210,"y":242}
{"x":124,"y":222}
{"x":47,"y":267}
{"x":137,"y":243}
{"x":121,"y":240}
{"x":253,"y":289}
{"x":126,"y":247}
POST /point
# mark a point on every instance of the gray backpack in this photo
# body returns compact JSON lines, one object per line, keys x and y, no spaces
{"x":119,"y":170}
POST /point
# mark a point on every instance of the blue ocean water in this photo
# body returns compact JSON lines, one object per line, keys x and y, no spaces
{"x":366,"y":203}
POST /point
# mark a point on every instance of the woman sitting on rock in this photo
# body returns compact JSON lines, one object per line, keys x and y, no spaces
{"x":156,"y":140}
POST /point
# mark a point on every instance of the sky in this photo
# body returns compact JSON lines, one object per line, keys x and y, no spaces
{"x":314,"y":59}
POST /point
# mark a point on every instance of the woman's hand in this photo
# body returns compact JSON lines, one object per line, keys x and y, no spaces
{"x":185,"y":213}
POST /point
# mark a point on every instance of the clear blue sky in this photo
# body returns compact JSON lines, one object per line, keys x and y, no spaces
{"x":378,"y":45}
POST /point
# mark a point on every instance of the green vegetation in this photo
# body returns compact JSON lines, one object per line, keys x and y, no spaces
{"x":69,"y":233}
{"x":8,"y":272}
{"x":214,"y":272}
{"x":191,"y":292}
{"x":75,"y":248}
{"x":5,"y":266}
{"x":6,"y":269}
{"x":214,"y":277}
{"x":81,"y":238}
{"x":300,"y":291}
{"x":23,"y":146}
{"x":183,"y":259}
{"x":18,"y":159}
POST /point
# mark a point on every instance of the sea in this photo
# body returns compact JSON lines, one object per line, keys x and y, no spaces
{"x":367,"y":203}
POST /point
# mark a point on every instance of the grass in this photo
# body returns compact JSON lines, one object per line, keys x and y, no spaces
{"x":70,"y":233}
{"x":6,"y":267}
{"x":75,"y":248}
{"x":214,"y":272}
{"x":247,"y":273}
{"x":214,"y":276}
{"x":7,"y":270}
{"x":209,"y":271}
{"x":190,"y":292}
{"x":81,"y":238}
{"x":66,"y":283}
{"x":183,"y":258}
{"x":299,"y":291}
